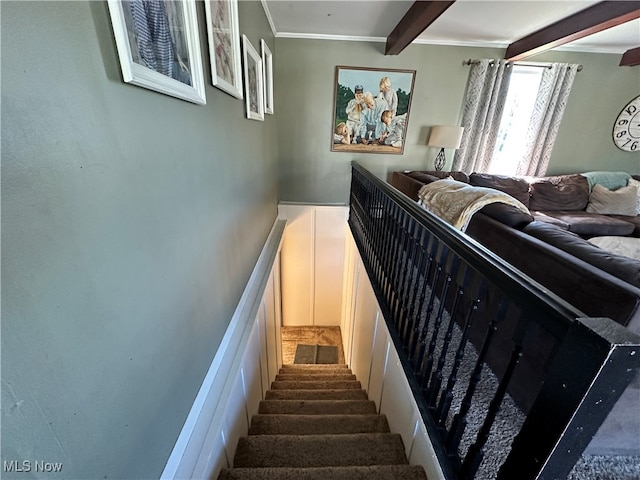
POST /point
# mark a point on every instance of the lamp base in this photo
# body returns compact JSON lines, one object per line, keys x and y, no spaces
{"x":439,"y":162}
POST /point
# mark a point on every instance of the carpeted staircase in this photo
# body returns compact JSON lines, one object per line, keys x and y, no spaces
{"x":316,"y":423}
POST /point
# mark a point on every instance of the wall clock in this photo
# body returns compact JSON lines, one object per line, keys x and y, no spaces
{"x":626,"y":129}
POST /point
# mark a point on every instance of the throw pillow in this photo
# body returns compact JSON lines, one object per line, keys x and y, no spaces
{"x":618,"y":202}
{"x":636,"y":183}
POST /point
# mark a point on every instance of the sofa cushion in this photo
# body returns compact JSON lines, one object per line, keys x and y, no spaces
{"x":634,"y":220}
{"x":636,"y":183}
{"x":613,"y":202}
{"x":507,"y":214}
{"x":518,"y":188}
{"x":563,"y":192}
{"x":585,"y":224}
{"x":624,"y":268}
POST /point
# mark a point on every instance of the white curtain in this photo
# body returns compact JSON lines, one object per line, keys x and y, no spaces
{"x":486,"y":94}
{"x":553,"y":94}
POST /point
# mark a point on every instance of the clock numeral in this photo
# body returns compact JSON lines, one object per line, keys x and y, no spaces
{"x":631,"y":109}
{"x":621,"y":133}
{"x":623,"y":122}
{"x":634,"y":145}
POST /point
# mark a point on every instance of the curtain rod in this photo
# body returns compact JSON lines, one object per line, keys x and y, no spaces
{"x":539,"y":65}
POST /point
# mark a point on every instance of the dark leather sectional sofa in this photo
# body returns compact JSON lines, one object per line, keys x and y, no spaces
{"x":550,"y":246}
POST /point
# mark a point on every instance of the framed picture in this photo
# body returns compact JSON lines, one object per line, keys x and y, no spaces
{"x":371,"y":112}
{"x":165,"y":58}
{"x":253,"y":81}
{"x":267,"y":63}
{"x":224,"y":45}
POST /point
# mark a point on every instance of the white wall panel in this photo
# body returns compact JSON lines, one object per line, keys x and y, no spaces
{"x":277,"y":300}
{"x":270,"y":324}
{"x":312,"y":264}
{"x":261,"y":327}
{"x":251,"y":374}
{"x":397,"y":401}
{"x":236,"y":424}
{"x":297,"y":265}
{"x":381,"y":346}
{"x":423,"y":454}
{"x":364,"y":322}
{"x":330,"y":228}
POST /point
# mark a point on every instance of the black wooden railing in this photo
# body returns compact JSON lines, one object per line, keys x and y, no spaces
{"x":511,"y":381}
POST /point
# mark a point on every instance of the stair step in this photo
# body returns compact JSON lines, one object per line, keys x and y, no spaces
{"x":315,"y":366}
{"x":375,"y":472}
{"x":318,"y":407}
{"x":323,"y":384}
{"x":302,"y":451}
{"x":313,"y":370}
{"x":350,"y":394}
{"x":274,"y":424}
{"x":317,"y":377}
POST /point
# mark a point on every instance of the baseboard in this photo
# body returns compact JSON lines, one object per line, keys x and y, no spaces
{"x":194,"y":446}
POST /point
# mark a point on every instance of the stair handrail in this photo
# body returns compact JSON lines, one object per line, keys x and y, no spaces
{"x":387,"y":225}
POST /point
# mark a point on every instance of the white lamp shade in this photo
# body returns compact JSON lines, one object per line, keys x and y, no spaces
{"x":445,"y":136}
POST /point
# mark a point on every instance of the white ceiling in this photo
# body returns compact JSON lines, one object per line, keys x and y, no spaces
{"x":477,"y":23}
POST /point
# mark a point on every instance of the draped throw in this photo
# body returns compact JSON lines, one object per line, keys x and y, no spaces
{"x":551,"y":101}
{"x":486,"y":94}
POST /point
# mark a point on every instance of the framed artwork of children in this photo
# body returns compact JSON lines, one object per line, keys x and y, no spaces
{"x":371,"y":112}
{"x":165,"y":58}
{"x":253,"y":81}
{"x":224,"y":45}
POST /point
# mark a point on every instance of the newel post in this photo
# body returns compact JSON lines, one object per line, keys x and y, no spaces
{"x":595,"y":363}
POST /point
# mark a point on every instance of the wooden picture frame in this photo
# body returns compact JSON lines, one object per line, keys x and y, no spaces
{"x":267,"y":64}
{"x":360,"y":105}
{"x":175,"y":69}
{"x":253,"y":81}
{"x":223,"y":35}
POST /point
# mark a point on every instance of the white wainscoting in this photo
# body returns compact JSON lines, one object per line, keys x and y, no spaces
{"x":245,"y":364}
{"x":372,"y":356}
{"x":312,"y":264}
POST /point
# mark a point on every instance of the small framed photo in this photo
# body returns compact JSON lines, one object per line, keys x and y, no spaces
{"x":165,"y":59}
{"x":267,"y":62}
{"x":224,"y":45}
{"x":253,"y":81}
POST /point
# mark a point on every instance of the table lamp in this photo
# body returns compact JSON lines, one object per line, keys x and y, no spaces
{"x":444,"y":136}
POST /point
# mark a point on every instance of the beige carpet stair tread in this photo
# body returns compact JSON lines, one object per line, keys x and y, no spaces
{"x":318,"y":407}
{"x":351,"y":394}
{"x":317,"y":368}
{"x":375,"y":472}
{"x":274,"y":424}
{"x":298,"y":377}
{"x":311,"y":385}
{"x":303,"y":451}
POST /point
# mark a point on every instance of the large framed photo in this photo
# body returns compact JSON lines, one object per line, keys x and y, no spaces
{"x":371,"y":112}
{"x":253,"y":81}
{"x":267,"y":67}
{"x":224,"y":45}
{"x":159,"y":46}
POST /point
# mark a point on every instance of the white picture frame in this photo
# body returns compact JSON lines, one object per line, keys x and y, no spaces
{"x":267,"y":63}
{"x":253,"y":81}
{"x":178,"y":74}
{"x":223,"y":35}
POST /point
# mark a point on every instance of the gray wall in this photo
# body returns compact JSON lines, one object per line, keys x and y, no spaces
{"x":305,"y":72}
{"x":131,"y":222}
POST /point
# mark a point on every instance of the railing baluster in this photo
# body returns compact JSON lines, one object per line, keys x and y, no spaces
{"x":450,"y":309}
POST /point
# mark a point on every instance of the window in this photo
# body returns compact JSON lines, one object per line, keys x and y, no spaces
{"x":514,"y":124}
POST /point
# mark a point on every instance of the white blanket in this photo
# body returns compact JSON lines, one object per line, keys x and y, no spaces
{"x":456,"y":202}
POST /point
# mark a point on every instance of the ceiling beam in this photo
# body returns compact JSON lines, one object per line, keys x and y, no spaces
{"x":594,"y":19}
{"x":630,"y":58}
{"x":415,"y":21}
